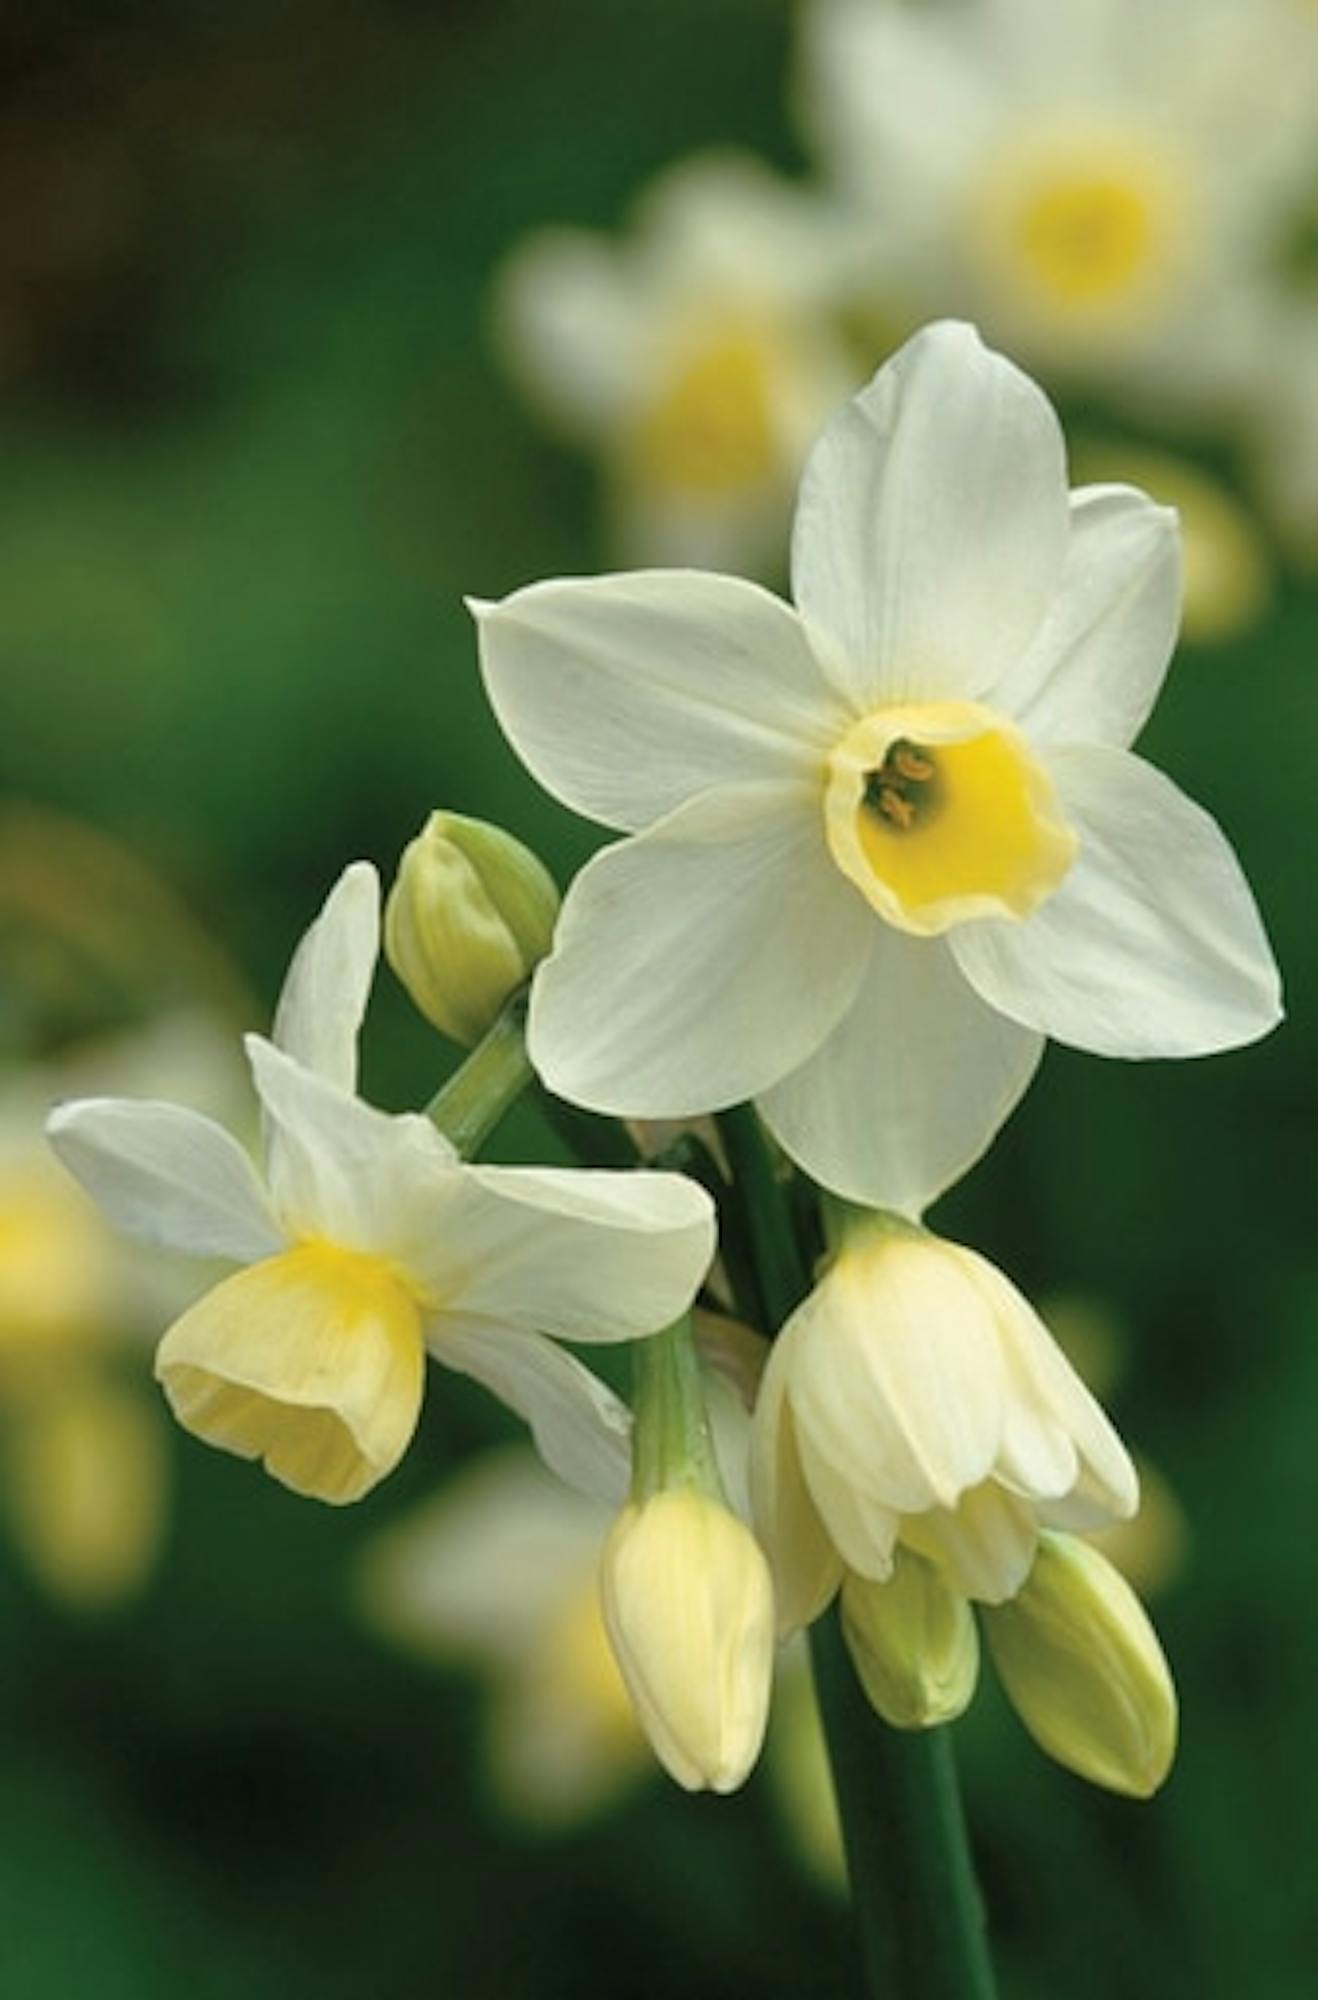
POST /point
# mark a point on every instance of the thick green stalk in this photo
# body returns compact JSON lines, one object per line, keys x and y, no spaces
{"x":912,"y":1881}
{"x":469,"y":1106}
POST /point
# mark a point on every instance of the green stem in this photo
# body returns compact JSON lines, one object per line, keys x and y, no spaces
{"x":912,"y":1881}
{"x":784,"y":1280}
{"x":469,"y":1106}
{"x":671,"y":1441}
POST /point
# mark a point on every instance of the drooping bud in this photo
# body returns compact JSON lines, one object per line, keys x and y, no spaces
{"x":685,"y":1586}
{"x":470,"y":916}
{"x":912,"y":1642}
{"x":689,"y":1610}
{"x":1084,"y":1669}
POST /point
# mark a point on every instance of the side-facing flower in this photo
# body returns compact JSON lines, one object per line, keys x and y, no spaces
{"x":915,"y":1401}
{"x":368,"y":1241}
{"x":884,"y":843}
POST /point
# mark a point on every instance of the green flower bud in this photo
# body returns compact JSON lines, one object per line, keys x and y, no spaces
{"x":1084,"y":1669}
{"x":469,"y":917}
{"x":912,"y":1642}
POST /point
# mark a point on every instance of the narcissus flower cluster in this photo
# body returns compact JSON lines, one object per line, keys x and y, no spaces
{"x":879,"y":844}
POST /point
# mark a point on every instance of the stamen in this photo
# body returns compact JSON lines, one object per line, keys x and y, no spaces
{"x":901,"y":789}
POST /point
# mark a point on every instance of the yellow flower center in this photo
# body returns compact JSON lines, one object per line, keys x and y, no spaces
{"x":939,"y":813}
{"x":1085,"y":228}
{"x":312,"y":1361}
{"x":576,"y":1670}
{"x":1086,"y":239}
{"x":711,"y":432}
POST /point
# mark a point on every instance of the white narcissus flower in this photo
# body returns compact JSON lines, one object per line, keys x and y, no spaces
{"x":884,"y":843}
{"x":695,"y":355}
{"x":916,"y":1400}
{"x":369,"y":1242}
{"x":1105,"y":186}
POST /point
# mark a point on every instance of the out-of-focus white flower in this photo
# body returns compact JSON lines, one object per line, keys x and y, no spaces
{"x":695,"y":356}
{"x":1084,"y":1670}
{"x":83,"y":1461}
{"x":916,"y":1399}
{"x":369,"y":1241}
{"x":884,"y":843}
{"x":1105,"y":186}
{"x":500,"y":1572}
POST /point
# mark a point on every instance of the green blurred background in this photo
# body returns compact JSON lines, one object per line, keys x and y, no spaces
{"x":255,"y":450}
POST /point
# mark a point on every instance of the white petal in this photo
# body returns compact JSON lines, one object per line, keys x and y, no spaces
{"x":806,"y":1567}
{"x":324,"y":998}
{"x":932,"y":524}
{"x":897,"y":1379}
{"x":571,"y":327}
{"x":339,"y":1169}
{"x":581,"y":1429}
{"x":1097,"y":661}
{"x":985,"y":1548}
{"x":626,"y":695}
{"x":696,"y":963}
{"x":911,"y":1085}
{"x":583,"y":1256}
{"x":1058,"y":1438}
{"x":166,"y":1176}
{"x":1152,"y":946}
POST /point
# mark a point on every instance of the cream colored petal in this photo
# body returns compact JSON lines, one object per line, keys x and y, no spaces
{"x":588,"y":1256}
{"x":910,"y":1086}
{"x":581,"y":1429}
{"x":312,"y":1362}
{"x":166,"y":1176}
{"x":932,"y":524}
{"x":339,"y":1169}
{"x":324,"y":997}
{"x":698,"y":962}
{"x":984,"y":1547}
{"x":806,"y":1568}
{"x":896,"y":1377}
{"x":628,"y":695}
{"x":1153,"y":945}
{"x":1058,"y":1441}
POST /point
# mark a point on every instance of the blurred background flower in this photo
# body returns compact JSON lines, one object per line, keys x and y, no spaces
{"x":261,"y":433}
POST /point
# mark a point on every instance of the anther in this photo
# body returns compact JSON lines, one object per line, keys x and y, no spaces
{"x":896,"y":807}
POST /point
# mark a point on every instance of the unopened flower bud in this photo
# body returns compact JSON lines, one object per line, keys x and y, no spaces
{"x":470,"y":916}
{"x":912,"y":1642}
{"x":1084,"y":1669}
{"x":689,"y":1609}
